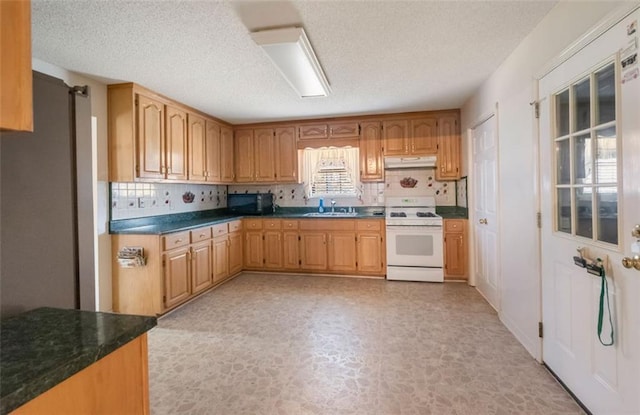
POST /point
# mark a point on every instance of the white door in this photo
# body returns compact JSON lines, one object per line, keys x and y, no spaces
{"x":590,"y":198}
{"x":484,"y":140}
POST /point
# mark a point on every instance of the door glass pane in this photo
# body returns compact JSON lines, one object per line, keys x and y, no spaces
{"x":608,"y":214}
{"x":562,"y":113}
{"x":606,"y":95}
{"x":581,"y":92}
{"x":563,"y":161}
{"x":582,"y":159}
{"x":606,"y":156}
{"x":584,"y":214}
{"x":564,"y":210}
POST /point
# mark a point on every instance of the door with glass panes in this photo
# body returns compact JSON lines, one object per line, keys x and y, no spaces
{"x":590,"y":176}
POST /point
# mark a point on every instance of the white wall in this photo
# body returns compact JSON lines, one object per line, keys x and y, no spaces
{"x":512,"y":87}
{"x":98,"y":110}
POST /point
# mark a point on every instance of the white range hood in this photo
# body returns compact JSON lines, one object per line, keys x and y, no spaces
{"x":409,"y":162}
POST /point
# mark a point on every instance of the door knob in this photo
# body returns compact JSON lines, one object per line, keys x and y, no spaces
{"x":483,"y":221}
{"x":631,"y":262}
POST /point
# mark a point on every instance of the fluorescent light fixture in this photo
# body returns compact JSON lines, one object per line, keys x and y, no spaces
{"x":291,"y":52}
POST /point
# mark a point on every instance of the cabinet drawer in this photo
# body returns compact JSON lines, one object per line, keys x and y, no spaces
{"x":454,"y":225}
{"x":271,"y":223}
{"x":201,"y":234}
{"x":175,"y":240}
{"x":251,"y":224}
{"x":313,"y":131}
{"x":235,"y":226}
{"x":368,"y":225}
{"x":344,"y":130}
{"x":219,"y":229}
{"x":328,"y":224}
{"x":289,"y":224}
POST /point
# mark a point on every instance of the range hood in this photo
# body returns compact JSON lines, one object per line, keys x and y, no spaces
{"x":409,"y":162}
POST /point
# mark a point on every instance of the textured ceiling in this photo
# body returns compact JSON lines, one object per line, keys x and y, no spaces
{"x":379,"y":56}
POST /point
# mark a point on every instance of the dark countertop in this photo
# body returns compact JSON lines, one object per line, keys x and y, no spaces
{"x":158,"y":225}
{"x":42,"y":347}
{"x":452,"y":212}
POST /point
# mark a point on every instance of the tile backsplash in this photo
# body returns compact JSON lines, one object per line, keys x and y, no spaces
{"x":461,"y":190}
{"x":425,"y":185}
{"x":136,"y":200}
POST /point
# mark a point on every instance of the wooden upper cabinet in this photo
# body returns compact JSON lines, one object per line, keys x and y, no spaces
{"x":197,"y":148}
{"x":176,"y":147}
{"x":227,"y":164}
{"x":424,"y":136}
{"x":396,"y":137}
{"x":151,"y":138}
{"x":244,"y":152}
{"x":286,"y":157}
{"x":371,"y":161}
{"x":344,"y":130}
{"x":213,"y":157}
{"x":264,"y":155}
{"x":448,"y":164}
{"x":16,"y":78}
{"x":313,"y":132}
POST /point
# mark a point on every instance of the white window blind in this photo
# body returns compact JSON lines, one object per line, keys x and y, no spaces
{"x":330,"y":171}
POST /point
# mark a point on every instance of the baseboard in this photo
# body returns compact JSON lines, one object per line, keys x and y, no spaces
{"x":528,"y":343}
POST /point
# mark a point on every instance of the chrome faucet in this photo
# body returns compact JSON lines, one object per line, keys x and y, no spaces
{"x":333,"y":206}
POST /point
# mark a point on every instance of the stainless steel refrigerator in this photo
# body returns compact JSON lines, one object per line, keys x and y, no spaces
{"x":46,"y":220}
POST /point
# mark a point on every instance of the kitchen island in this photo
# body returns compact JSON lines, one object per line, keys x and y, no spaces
{"x":58,"y":361}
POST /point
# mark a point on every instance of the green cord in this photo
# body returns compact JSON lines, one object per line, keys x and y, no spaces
{"x":604,"y":294}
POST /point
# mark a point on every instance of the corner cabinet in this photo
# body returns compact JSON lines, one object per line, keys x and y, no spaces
{"x":455,"y":249}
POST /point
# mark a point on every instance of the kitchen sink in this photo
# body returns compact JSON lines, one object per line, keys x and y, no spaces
{"x":331,"y":214}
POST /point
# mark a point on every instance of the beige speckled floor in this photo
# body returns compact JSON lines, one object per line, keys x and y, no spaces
{"x":285,"y":344}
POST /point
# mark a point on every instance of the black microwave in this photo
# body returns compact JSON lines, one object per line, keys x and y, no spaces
{"x":250,"y":203}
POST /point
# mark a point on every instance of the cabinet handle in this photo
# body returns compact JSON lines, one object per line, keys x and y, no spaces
{"x":177,"y":241}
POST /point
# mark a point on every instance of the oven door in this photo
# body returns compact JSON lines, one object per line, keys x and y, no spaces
{"x":414,"y":246}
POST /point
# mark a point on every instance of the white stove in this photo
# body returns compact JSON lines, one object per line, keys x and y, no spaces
{"x":414,"y":239}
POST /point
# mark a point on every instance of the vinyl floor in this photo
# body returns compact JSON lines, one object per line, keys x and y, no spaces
{"x":292,"y":344}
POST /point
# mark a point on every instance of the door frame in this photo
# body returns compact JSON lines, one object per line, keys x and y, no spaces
{"x":471,"y":198}
{"x":606,"y":23}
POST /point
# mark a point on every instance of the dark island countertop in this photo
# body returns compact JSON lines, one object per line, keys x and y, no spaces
{"x":41,"y":348}
{"x":158,"y":225}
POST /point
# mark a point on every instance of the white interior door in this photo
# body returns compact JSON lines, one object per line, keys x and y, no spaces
{"x":484,"y":140}
{"x":590,"y":198}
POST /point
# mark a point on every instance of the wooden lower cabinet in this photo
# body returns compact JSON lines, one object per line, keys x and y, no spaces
{"x":313,"y":251}
{"x":200,"y":266}
{"x":272,"y":249}
{"x":371,"y":253}
{"x":342,"y":251}
{"x":455,"y":249}
{"x":116,"y":384}
{"x":253,"y":252}
{"x":177,"y":284}
{"x":290,"y":250}
{"x":220,"y":258}
{"x":235,"y":252}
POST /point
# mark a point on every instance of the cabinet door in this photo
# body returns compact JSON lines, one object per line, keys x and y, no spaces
{"x":344,"y":130}
{"x":212,"y":148}
{"x":313,"y":132}
{"x":448,"y":167}
{"x":342,"y":251}
{"x":455,"y":248}
{"x":253,"y":254}
{"x":424,"y":136}
{"x":371,"y":162}
{"x":201,"y":273}
{"x":150,"y":138}
{"x":370,"y":253}
{"x":273,"y":249}
{"x":176,"y":143}
{"x":197,"y":148}
{"x":265,"y":154}
{"x":227,"y":162}
{"x":220,"y":258}
{"x":290,"y":250}
{"x":286,"y":155}
{"x":235,"y":252}
{"x":16,"y":79}
{"x":244,"y":156}
{"x":313,"y":250}
{"x":177,"y":284}
{"x":396,"y":137}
